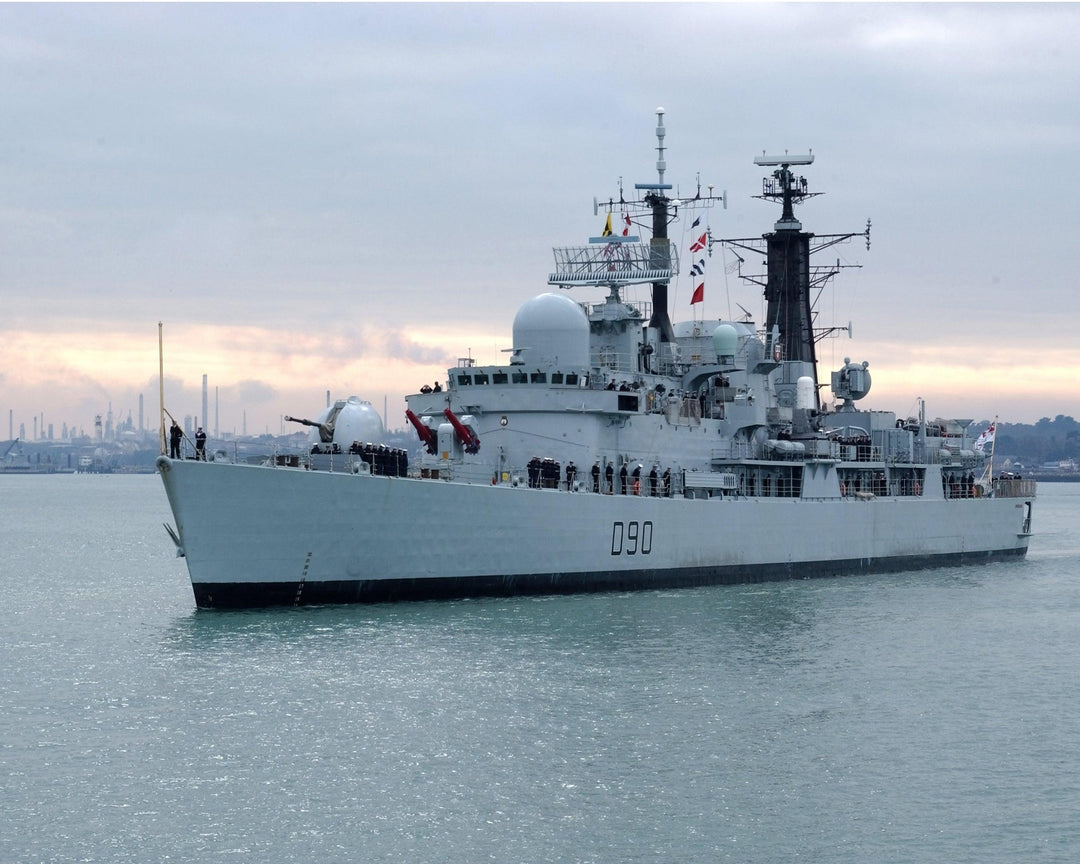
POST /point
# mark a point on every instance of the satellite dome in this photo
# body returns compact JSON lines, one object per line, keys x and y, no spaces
{"x":725,"y":340}
{"x":353,"y":419}
{"x":551,"y":329}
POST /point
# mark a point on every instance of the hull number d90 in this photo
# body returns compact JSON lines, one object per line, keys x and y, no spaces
{"x":631,"y":538}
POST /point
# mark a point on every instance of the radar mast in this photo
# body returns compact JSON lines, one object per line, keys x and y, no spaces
{"x":790,"y":278}
{"x":659,"y":248}
{"x":613,"y":261}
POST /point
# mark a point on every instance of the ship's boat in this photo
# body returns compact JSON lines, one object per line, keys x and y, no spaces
{"x":615,"y":450}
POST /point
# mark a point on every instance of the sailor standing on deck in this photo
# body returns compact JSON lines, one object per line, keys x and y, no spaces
{"x":176,"y":434}
{"x":200,"y":444}
{"x":609,"y":478}
{"x":596,"y":476}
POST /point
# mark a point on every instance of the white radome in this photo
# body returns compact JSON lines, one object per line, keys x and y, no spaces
{"x":552,"y":328}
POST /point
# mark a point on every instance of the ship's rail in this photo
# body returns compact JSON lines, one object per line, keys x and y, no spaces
{"x":860,"y":452}
{"x":1014,"y":487}
{"x":250,"y":452}
{"x":611,"y":360}
{"x":732,"y":450}
{"x":361,"y":458}
{"x":941,"y":452}
{"x":549,"y":474}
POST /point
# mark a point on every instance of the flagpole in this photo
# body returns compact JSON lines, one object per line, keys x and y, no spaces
{"x":993,"y":444}
{"x":161,"y":389}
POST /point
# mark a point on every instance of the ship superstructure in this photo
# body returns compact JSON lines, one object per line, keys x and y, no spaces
{"x":615,"y":449}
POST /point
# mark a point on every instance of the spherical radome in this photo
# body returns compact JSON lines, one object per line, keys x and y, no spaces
{"x":725,"y":340}
{"x":552,"y":329}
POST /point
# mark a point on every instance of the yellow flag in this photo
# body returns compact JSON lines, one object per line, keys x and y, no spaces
{"x":607,"y":227}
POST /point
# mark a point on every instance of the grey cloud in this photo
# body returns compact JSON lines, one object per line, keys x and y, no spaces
{"x":294,"y":167}
{"x":252,"y":392}
{"x":400,"y":347}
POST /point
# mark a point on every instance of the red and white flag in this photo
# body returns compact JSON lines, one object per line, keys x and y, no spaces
{"x":986,"y":438}
{"x":699,"y":294}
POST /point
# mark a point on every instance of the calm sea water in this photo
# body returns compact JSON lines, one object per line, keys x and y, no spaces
{"x":922,"y":717}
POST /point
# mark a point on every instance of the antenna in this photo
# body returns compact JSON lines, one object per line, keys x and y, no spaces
{"x":614,"y":260}
{"x":661,"y":165}
{"x":784,"y":160}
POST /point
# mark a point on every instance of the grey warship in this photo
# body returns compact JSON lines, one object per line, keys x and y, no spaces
{"x":615,"y":450}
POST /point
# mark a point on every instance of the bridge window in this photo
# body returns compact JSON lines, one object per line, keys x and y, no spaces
{"x":538,"y":377}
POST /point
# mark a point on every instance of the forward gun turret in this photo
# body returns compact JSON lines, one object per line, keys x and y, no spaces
{"x":326,"y":430}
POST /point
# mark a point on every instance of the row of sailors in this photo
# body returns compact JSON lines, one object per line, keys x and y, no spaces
{"x":545,"y":474}
{"x":384,"y":461}
{"x":959,"y":487}
{"x":630,"y":386}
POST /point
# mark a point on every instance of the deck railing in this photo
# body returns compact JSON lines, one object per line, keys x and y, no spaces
{"x":1014,"y":487}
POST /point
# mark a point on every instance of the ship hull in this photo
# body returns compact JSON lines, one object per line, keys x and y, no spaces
{"x":260,"y":536}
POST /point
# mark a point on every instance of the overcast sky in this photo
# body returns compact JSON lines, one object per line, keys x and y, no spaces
{"x":350,"y":197}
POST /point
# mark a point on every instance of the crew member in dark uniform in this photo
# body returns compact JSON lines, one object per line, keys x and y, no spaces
{"x":652,"y":481}
{"x":609,"y":478}
{"x":622,"y":479}
{"x":571,"y":474}
{"x":596,"y":477}
{"x":200,"y":444}
{"x":176,"y":434}
{"x":667,"y":482}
